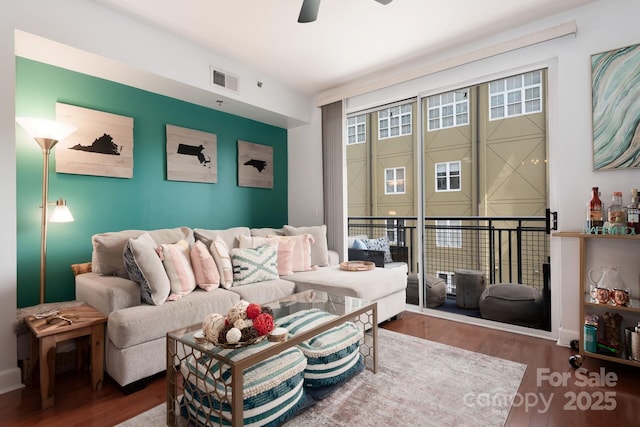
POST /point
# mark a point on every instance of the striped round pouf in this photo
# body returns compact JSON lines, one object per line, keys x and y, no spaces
{"x":272,"y":390}
{"x":332,"y":356}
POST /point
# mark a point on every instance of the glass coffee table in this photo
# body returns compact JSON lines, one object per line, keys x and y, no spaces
{"x":182,"y":345}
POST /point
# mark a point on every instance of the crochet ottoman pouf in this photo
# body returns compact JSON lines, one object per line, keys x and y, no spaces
{"x":332,"y":356}
{"x":436,"y":290}
{"x":273,"y":390}
{"x":512,"y":303}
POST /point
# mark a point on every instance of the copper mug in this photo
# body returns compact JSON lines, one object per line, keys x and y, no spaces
{"x":602,"y":295}
{"x":620,"y":297}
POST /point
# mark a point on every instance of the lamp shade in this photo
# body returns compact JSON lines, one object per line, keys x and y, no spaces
{"x":61,"y":212}
{"x":43,"y":128}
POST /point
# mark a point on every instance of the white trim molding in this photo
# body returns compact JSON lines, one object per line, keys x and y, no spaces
{"x":346,"y":91}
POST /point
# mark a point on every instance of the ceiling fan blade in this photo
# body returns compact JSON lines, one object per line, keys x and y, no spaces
{"x":384,"y":1}
{"x":309,"y":11}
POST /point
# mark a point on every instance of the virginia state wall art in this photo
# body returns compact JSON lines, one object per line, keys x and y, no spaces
{"x":102,"y":145}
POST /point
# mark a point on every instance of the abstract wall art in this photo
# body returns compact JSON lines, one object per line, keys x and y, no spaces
{"x":191,"y":155}
{"x":616,"y":108}
{"x":102,"y":145}
{"x":255,"y":165}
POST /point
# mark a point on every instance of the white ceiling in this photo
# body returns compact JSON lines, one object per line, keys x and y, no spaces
{"x":350,"y":39}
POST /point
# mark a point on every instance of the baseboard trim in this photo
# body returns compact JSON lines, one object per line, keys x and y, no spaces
{"x":565,"y":337}
{"x":10,"y":380}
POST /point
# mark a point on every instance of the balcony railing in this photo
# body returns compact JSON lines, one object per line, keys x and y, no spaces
{"x":506,"y":249}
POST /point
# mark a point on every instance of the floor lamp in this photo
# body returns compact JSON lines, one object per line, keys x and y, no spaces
{"x":47,"y":133}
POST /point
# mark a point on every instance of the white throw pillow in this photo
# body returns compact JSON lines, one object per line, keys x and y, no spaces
{"x":220,"y":252}
{"x":143,"y":265}
{"x":253,"y":265}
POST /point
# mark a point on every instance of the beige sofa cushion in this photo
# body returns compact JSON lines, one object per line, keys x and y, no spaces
{"x":266,"y":232}
{"x":136,"y":325}
{"x":370,"y":285}
{"x":231,"y":236}
{"x":108,"y":248}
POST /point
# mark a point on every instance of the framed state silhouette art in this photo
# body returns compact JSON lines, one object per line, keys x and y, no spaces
{"x":102,"y":145}
{"x":255,"y":165}
{"x":191,"y":155}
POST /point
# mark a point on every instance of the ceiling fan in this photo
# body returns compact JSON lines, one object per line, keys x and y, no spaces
{"x":309,"y":10}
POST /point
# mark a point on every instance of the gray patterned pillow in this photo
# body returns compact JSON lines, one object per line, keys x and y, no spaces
{"x":379,"y":244}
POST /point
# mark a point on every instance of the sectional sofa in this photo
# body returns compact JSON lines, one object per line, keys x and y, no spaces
{"x":152,"y":282}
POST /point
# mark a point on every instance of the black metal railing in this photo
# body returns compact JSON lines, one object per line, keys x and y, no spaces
{"x":506,"y":249}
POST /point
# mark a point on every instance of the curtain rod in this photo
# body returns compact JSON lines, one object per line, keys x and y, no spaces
{"x":551,"y":33}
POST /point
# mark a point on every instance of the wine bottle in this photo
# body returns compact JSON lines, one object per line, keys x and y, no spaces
{"x":596,"y":216}
{"x":633,"y":212}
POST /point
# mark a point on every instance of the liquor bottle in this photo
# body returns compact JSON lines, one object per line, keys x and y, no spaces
{"x":633,"y":212}
{"x":615,"y":212}
{"x":596,"y":217}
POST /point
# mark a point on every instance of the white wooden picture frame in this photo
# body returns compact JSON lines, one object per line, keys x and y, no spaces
{"x":102,"y":145}
{"x":192,"y":155}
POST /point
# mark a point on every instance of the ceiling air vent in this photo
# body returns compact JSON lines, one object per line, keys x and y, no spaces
{"x":224,"y":79}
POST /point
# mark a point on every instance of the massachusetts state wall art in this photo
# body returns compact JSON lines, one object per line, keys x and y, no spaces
{"x":616,"y":108}
{"x":255,"y":165}
{"x":191,"y":155}
{"x":102,"y":145}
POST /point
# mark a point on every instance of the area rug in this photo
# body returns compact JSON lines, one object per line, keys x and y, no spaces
{"x":419,"y":383}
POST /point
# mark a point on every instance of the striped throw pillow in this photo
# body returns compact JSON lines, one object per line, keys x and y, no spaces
{"x":252,"y":265}
{"x":177,"y":263}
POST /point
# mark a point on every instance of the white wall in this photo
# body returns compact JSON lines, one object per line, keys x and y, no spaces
{"x":305,"y":173}
{"x":9,"y":373}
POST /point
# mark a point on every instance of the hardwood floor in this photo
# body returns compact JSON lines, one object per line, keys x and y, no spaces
{"x":76,"y":405}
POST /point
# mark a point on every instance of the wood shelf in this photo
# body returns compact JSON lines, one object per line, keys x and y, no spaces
{"x":585,"y":298}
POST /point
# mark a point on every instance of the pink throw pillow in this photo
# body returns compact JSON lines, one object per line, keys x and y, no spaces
{"x":204,"y":267}
{"x":178,"y":266}
{"x":301,"y":255}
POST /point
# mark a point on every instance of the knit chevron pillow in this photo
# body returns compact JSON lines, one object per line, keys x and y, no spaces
{"x":251,"y":265}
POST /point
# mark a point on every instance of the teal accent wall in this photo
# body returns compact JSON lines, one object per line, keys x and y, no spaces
{"x":146,"y":201}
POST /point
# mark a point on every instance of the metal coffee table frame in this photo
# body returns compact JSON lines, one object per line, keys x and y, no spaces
{"x":181,"y":345}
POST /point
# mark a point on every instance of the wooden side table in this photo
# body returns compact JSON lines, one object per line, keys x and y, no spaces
{"x":46,"y":333}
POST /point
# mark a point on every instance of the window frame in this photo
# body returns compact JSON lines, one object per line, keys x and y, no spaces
{"x":515,"y":96}
{"x":448,"y":176}
{"x":395,"y":180}
{"x":442,"y":103}
{"x":355,"y":127}
{"x":404,"y":111}
{"x":448,"y":238}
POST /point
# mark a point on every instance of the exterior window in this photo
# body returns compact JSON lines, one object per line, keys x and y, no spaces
{"x":448,"y":110}
{"x":356,"y":129}
{"x":447,"y":276}
{"x":515,"y":96}
{"x":448,"y":234}
{"x":395,"y":121}
{"x":394,"y":182}
{"x":448,"y":176}
{"x":395,"y":231}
